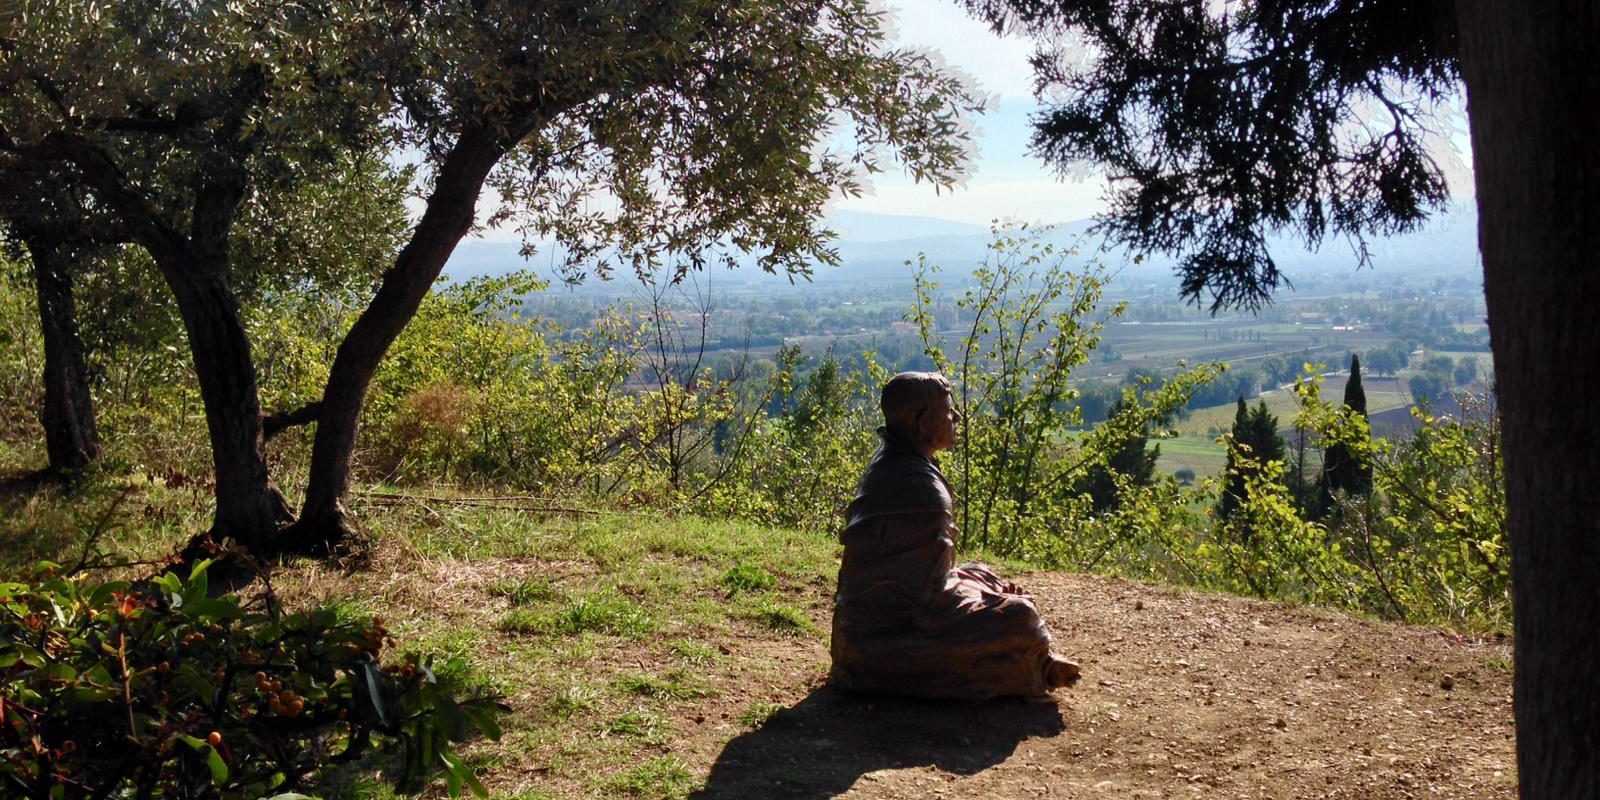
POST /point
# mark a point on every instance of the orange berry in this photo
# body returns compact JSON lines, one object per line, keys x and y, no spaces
{"x":215,"y":739}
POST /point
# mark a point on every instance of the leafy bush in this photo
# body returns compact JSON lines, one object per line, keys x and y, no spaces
{"x":1020,"y":472}
{"x":1430,"y":541}
{"x":160,"y":690}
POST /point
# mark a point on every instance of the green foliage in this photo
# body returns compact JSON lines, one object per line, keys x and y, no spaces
{"x":1133,"y":460}
{"x":747,"y":578}
{"x":1253,"y":443}
{"x":1343,"y":470}
{"x":797,"y":467}
{"x":1162,"y":96}
{"x":1266,"y":549}
{"x":21,"y":352}
{"x":1020,"y":476}
{"x":1431,"y":536}
{"x":114,"y":689}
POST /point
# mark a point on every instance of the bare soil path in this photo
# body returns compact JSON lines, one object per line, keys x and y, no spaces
{"x":1184,"y":695}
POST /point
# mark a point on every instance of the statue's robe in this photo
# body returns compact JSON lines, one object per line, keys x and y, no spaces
{"x":906,"y":620}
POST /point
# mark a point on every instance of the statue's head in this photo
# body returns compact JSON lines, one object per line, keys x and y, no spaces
{"x":917,"y":408}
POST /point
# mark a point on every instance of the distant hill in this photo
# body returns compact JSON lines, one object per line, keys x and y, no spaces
{"x":875,"y":247}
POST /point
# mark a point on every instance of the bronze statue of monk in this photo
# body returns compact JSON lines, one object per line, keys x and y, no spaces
{"x":906,"y":620}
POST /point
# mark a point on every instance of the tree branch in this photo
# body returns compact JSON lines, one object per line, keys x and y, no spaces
{"x":274,"y":424}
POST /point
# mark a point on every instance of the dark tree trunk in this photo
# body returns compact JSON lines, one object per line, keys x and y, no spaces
{"x":196,"y":268}
{"x":249,"y":509}
{"x":1533,"y":89}
{"x":68,"y":413}
{"x":324,"y":524}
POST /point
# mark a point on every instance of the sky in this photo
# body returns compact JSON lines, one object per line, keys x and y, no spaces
{"x":1006,"y":182}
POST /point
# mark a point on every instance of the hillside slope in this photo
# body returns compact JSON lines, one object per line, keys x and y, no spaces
{"x":666,"y":658}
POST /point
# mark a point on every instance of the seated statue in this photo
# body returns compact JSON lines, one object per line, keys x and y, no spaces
{"x":906,"y":620}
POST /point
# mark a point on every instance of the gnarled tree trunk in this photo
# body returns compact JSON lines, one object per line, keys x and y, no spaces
{"x":249,"y":509}
{"x":71,"y":441}
{"x":324,"y":525}
{"x":1533,"y":86}
{"x":195,"y":265}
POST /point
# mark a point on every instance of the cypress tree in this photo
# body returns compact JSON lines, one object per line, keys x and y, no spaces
{"x":1233,"y":478}
{"x":1342,"y":469}
{"x":1255,"y":435}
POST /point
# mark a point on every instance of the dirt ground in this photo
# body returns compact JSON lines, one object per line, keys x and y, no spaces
{"x":1184,"y":695}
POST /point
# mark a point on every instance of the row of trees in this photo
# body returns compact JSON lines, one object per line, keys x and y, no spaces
{"x":172,"y":127}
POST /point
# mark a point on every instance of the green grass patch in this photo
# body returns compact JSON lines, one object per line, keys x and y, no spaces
{"x":783,"y":619}
{"x":637,"y":724}
{"x":451,"y":652}
{"x":601,"y":613}
{"x":660,"y":778}
{"x":672,"y":685}
{"x":571,"y":702}
{"x":525,"y":592}
{"x":746,"y":578}
{"x":694,"y":652}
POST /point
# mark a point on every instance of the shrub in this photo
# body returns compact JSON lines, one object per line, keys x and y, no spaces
{"x":160,"y":690}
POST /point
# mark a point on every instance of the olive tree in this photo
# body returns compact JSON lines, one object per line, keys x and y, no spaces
{"x":631,"y":134}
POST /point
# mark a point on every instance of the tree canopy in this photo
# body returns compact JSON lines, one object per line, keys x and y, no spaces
{"x":629,"y":133}
{"x":1221,"y":123}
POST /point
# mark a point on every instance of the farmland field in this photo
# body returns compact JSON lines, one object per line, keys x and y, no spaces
{"x":1199,"y":453}
{"x":1382,"y":395}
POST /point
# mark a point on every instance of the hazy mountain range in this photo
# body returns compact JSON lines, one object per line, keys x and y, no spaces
{"x":874,"y":247}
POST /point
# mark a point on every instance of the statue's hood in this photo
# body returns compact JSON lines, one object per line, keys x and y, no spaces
{"x":900,"y":480}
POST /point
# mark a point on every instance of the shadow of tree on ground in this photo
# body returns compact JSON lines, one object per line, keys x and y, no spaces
{"x":19,"y":486}
{"x":822,"y":745}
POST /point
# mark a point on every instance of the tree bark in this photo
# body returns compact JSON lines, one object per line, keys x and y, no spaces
{"x":71,"y":440}
{"x":249,"y":509}
{"x":324,"y":524}
{"x":1533,"y":91}
{"x":196,"y":267}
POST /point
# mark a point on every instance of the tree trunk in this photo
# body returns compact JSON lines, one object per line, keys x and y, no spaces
{"x":324,"y":525}
{"x":1533,"y":91}
{"x":196,"y":268}
{"x":249,"y":509}
{"x":68,"y":413}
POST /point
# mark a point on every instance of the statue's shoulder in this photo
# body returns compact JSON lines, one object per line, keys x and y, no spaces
{"x":898,"y":482}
